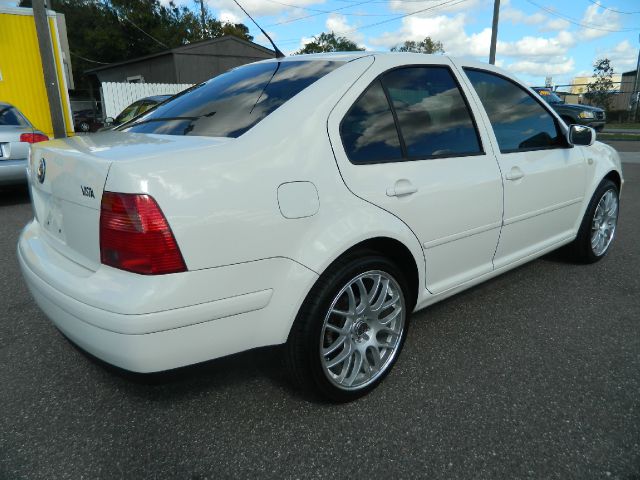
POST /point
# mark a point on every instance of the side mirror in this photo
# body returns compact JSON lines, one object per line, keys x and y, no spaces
{"x":581,"y":135}
{"x":108,"y":120}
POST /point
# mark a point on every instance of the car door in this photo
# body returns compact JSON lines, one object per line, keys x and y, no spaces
{"x":544,"y":177}
{"x":406,"y":140}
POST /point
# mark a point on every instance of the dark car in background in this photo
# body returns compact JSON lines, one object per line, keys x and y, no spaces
{"x":136,"y":108}
{"x":572,"y":113}
{"x":87,"y":120}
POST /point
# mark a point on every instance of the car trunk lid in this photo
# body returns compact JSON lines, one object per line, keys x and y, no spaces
{"x":68,"y":177}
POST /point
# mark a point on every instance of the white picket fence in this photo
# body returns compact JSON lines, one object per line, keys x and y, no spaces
{"x":117,"y":96}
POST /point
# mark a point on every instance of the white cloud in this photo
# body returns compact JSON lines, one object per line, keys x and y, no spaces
{"x":602,"y":19}
{"x":555,"y":25}
{"x":623,"y":56}
{"x":518,"y":16}
{"x":433,"y":6}
{"x":258,"y":8}
{"x":228,"y":17}
{"x":549,"y":67}
{"x":339,"y":25}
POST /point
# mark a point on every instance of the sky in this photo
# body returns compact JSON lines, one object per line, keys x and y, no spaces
{"x":536,"y":38}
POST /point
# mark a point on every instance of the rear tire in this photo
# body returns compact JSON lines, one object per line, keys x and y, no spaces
{"x":598,"y":227}
{"x":350,"y":329}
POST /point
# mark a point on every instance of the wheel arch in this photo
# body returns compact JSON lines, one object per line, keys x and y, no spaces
{"x":398,"y":253}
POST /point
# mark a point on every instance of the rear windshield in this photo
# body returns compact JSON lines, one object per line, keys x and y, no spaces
{"x":230,"y":104}
{"x":11,"y":116}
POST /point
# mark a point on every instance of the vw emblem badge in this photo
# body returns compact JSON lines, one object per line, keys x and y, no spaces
{"x":42,"y":170}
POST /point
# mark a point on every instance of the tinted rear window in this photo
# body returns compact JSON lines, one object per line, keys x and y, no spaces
{"x":10,"y":116}
{"x":230,"y":104}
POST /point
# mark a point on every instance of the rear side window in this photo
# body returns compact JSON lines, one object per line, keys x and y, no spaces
{"x":368,"y":132}
{"x":427,"y":117}
{"x":519,"y":122}
{"x":10,"y":116}
{"x":230,"y":104}
{"x":432,"y":114}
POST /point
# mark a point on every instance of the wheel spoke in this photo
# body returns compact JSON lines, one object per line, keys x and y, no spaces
{"x":335,"y":345}
{"x":384,"y":291}
{"x":357,"y":366}
{"x":342,"y":356}
{"x":389,"y":318}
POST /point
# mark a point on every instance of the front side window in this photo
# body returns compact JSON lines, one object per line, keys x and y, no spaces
{"x":230,"y":104}
{"x":519,"y":122}
{"x":410,"y":113}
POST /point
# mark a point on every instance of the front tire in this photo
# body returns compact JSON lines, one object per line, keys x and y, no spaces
{"x":350,"y":328}
{"x":598,"y":226}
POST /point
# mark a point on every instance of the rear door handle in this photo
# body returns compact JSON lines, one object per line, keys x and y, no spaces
{"x":514,"y":174}
{"x":401,"y":188}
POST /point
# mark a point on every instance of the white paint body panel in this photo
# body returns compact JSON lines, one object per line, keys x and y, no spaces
{"x":260,"y":217}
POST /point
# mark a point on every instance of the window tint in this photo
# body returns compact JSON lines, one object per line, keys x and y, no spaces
{"x":433,"y":116}
{"x":10,"y":116}
{"x":368,"y":131}
{"x":518,"y":120}
{"x":230,"y":104}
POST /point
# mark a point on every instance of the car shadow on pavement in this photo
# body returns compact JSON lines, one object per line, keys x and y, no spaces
{"x":259,"y":364}
{"x":14,"y":195}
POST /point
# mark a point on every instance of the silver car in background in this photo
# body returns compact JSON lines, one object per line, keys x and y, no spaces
{"x":16,"y":135}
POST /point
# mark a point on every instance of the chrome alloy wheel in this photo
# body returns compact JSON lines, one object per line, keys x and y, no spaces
{"x":362,"y":330}
{"x":603,"y":226}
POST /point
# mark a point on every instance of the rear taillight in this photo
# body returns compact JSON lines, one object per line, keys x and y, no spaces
{"x":33,"y":137}
{"x":135,"y":235}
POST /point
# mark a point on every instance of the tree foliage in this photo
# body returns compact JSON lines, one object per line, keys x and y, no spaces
{"x":600,"y":89}
{"x":425,"y":46}
{"x":329,"y":42}
{"x":108,"y":31}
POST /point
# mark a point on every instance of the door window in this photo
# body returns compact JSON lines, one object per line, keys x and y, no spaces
{"x":410,"y":113}
{"x":519,"y":121}
{"x":432,"y":114}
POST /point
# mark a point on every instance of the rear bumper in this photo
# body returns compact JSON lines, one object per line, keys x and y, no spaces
{"x":13,"y":171}
{"x":145,"y":335}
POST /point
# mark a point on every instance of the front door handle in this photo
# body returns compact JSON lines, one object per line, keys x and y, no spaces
{"x":401,"y":188}
{"x":514,"y":174}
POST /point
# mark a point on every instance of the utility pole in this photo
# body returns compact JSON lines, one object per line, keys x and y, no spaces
{"x":494,"y":32}
{"x":49,"y":68}
{"x":202,"y":19}
{"x":636,"y":86}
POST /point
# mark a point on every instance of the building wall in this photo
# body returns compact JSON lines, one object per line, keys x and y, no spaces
{"x":21,"y":75}
{"x":153,"y":70}
{"x":202,"y":62}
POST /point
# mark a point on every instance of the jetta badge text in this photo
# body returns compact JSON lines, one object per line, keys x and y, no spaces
{"x":87,"y":191}
{"x":42,"y":170}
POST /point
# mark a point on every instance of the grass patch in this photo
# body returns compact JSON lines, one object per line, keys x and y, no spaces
{"x":624,"y":126}
{"x":618,"y":136}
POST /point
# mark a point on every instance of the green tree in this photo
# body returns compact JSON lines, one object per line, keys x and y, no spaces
{"x":425,"y":46}
{"x":600,"y":89}
{"x":107,"y":31}
{"x":329,"y":42}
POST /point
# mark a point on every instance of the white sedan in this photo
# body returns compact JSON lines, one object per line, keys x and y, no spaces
{"x":313,"y":201}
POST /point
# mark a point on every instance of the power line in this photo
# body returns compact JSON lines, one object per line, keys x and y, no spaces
{"x":147,"y":34}
{"x":611,"y":9}
{"x":580,"y":24}
{"x":88,"y":59}
{"x":316,"y":14}
{"x":331,"y":11}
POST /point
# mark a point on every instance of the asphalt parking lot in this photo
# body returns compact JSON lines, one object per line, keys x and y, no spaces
{"x":535,"y":374}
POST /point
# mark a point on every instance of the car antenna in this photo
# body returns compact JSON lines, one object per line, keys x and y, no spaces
{"x":279,"y":54}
